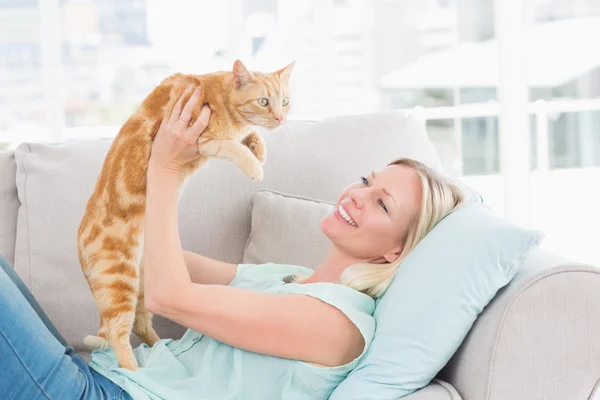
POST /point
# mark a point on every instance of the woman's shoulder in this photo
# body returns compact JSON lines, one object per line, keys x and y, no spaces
{"x":358,"y":308}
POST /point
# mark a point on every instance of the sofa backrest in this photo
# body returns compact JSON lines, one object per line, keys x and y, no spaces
{"x":303,"y":158}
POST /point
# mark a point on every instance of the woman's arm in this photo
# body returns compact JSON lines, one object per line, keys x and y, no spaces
{"x":174,"y":145}
{"x":292,"y":326}
{"x":208,"y":271}
{"x":284,"y":325}
{"x":165,"y":271}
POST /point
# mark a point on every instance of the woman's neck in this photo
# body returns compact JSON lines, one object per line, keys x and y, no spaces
{"x":331,"y":269}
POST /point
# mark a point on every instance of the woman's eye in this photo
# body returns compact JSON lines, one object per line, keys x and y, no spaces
{"x":382,"y":204}
{"x":263,"y":101}
{"x":365,"y":182}
{"x":285,"y":101}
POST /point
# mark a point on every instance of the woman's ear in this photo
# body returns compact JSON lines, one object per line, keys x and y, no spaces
{"x":393,"y":255}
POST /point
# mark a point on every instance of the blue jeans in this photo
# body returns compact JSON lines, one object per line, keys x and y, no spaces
{"x":35,"y":361}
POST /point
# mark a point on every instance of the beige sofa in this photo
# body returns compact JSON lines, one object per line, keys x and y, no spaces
{"x":538,"y":339}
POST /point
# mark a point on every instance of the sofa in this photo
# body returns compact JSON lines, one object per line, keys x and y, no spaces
{"x":539,"y":337}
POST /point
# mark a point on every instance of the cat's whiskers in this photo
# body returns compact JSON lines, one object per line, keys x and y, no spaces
{"x":263,"y":122}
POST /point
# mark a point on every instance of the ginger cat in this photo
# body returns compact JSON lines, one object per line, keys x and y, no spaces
{"x":110,"y":235}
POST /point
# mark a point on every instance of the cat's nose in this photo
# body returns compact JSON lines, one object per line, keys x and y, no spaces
{"x":279,"y":118}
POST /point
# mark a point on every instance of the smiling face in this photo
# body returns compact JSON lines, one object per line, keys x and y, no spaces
{"x":372,"y":217}
{"x":261,"y":98}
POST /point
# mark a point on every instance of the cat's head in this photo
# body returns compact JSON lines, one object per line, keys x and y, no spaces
{"x":263,"y":99}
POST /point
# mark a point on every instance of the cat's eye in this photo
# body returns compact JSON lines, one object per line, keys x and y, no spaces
{"x":285,"y":101}
{"x":263,"y":101}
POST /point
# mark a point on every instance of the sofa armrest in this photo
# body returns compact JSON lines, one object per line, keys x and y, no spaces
{"x":539,"y":338}
{"x":436,"y":390}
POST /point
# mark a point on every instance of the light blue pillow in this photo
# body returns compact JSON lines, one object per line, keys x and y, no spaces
{"x":437,"y":294}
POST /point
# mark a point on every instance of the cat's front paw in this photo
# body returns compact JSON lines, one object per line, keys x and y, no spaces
{"x":253,"y":169}
{"x":257,"y":173}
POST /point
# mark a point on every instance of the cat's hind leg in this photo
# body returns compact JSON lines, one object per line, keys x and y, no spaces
{"x":142,"y":326}
{"x":115,"y":288}
{"x":100,"y":341}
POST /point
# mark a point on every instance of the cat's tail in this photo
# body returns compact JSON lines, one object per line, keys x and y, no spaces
{"x":95,"y":342}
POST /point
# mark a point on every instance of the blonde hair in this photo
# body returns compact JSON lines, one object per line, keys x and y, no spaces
{"x":439,"y":198}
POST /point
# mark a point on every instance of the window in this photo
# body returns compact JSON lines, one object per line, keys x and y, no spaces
{"x":565,"y":94}
{"x":22,"y":91}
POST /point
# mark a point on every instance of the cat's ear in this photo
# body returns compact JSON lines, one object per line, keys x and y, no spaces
{"x":241,"y":75}
{"x":285,"y":72}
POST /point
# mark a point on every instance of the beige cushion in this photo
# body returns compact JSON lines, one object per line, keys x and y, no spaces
{"x":307,"y":159}
{"x":286,"y":229}
{"x":9,"y":205}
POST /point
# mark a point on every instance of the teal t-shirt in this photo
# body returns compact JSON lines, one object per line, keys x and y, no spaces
{"x":199,"y":367}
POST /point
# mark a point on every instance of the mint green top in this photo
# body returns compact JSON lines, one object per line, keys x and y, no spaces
{"x":199,"y":367}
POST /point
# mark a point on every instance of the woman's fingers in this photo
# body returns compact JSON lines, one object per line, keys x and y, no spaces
{"x":186,"y":114}
{"x":200,"y":124}
{"x":176,"y":113}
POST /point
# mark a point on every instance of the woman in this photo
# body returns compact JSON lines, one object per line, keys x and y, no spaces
{"x":255,"y":332}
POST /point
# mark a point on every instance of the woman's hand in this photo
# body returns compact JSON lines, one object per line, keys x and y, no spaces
{"x":175,"y":143}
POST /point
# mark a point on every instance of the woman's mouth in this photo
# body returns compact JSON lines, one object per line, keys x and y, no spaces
{"x":344,"y":216}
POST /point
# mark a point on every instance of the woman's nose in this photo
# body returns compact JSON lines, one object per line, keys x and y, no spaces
{"x":357,"y":197}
